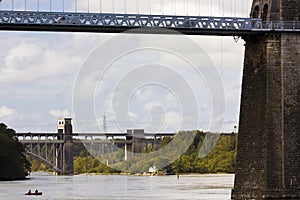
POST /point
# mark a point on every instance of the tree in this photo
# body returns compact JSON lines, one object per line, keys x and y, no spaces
{"x":13,"y":162}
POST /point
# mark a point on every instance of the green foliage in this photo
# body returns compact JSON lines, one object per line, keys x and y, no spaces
{"x":14,"y":165}
{"x":221,"y":159}
{"x":36,"y":165}
{"x":78,"y":148}
{"x":91,"y":165}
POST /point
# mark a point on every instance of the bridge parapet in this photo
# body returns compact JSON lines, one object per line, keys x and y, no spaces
{"x":36,"y":136}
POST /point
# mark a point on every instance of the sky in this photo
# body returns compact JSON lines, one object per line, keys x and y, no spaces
{"x":159,"y":83}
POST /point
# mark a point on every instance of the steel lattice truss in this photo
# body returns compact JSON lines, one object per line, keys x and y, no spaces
{"x":95,"y":22}
{"x":44,"y":147}
{"x":46,"y":153}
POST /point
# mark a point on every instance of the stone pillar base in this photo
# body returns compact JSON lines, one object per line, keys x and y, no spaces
{"x":257,"y":194}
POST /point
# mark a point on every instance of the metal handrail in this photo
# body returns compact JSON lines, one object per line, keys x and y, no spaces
{"x":277,"y":26}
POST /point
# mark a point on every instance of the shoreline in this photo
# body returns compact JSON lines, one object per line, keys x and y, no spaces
{"x":136,"y":174}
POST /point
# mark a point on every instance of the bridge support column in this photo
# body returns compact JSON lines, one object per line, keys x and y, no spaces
{"x":65,"y":131}
{"x":268,"y":157}
{"x":137,"y":137}
{"x":128,"y":149}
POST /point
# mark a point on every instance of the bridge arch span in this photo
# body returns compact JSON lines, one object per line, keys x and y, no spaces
{"x":44,"y":161}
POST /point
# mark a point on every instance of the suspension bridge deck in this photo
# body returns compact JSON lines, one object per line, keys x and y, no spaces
{"x":149,"y":24}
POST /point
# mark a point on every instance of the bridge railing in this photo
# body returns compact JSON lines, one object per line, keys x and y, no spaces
{"x":276,"y":26}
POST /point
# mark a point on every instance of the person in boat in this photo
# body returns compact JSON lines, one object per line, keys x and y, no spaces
{"x":29,"y":191}
{"x":36,"y":191}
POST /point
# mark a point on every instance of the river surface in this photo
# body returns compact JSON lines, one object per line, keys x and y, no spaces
{"x":90,"y":187}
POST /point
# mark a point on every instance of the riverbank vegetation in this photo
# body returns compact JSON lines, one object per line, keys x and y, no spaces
{"x":14,"y":165}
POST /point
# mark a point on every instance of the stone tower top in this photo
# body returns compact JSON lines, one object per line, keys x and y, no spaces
{"x":276,"y":10}
{"x":61,"y":122}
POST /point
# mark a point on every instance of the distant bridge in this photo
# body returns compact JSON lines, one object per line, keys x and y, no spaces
{"x":50,"y":148}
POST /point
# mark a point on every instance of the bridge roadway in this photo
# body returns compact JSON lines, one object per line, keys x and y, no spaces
{"x":151,"y":24}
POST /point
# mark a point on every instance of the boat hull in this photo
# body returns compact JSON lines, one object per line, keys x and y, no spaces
{"x":34,"y":194}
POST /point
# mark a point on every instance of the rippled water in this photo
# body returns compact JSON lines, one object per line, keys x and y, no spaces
{"x":89,"y":187}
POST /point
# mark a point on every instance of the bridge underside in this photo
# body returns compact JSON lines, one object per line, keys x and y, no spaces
{"x":134,"y":30}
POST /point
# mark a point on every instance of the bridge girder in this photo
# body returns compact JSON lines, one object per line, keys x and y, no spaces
{"x":150,"y":24}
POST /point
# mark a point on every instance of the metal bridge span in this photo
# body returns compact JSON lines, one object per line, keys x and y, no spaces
{"x":48,"y":148}
{"x":152,"y":24}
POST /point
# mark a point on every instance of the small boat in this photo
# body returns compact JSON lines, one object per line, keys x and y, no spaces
{"x":34,"y":193}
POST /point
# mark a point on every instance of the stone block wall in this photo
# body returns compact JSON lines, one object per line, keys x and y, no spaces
{"x":268,"y":158}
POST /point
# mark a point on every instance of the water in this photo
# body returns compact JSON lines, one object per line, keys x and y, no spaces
{"x":90,"y":187}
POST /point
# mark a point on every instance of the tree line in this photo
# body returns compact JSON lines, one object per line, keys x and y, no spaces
{"x":14,"y":164}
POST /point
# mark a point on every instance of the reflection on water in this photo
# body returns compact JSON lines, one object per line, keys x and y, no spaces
{"x":88,"y":187}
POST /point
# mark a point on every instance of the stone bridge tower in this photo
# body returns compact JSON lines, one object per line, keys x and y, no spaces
{"x":268,"y":157}
{"x":65,"y":155}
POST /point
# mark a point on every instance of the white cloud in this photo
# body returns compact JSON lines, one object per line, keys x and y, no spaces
{"x":20,"y":56}
{"x":59,"y":113}
{"x":131,"y":114}
{"x":5,"y":111}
